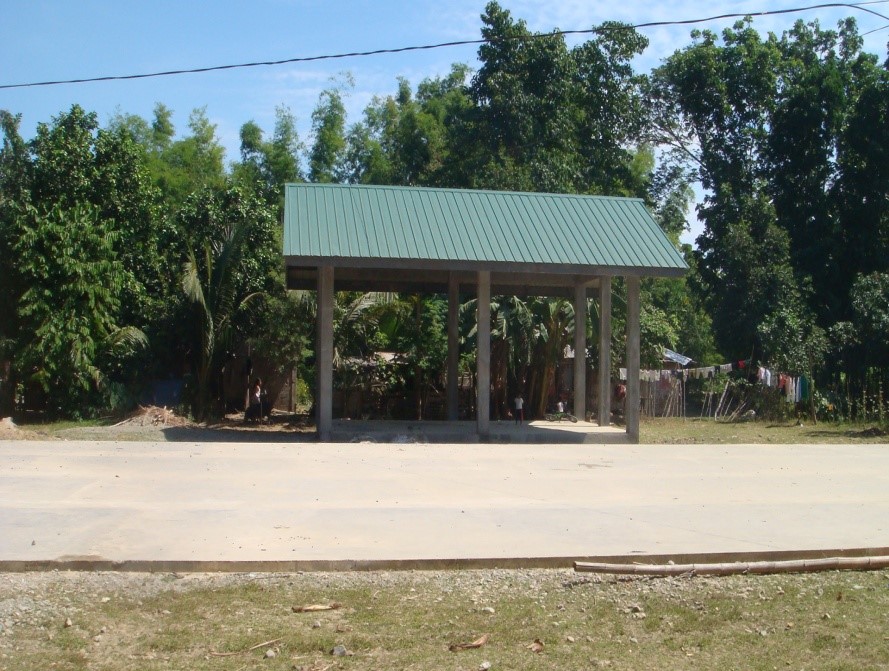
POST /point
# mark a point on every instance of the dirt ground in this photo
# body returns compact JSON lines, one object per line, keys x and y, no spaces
{"x":155,"y":424}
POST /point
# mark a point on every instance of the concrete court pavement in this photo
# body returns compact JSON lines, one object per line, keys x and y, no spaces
{"x":228,"y":506}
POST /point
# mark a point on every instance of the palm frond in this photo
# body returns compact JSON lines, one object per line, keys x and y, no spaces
{"x":128,"y":338}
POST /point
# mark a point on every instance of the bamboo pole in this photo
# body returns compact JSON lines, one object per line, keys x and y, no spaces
{"x":721,"y":399}
{"x":739,"y":568}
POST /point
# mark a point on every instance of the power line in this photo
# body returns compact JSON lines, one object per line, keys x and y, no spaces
{"x":441,"y":45}
{"x":875,"y":30}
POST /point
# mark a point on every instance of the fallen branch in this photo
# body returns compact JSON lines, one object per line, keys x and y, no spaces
{"x":244,"y":652}
{"x":477,"y":643}
{"x":738,"y":568}
{"x":316,"y":607}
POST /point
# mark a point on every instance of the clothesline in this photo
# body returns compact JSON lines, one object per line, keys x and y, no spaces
{"x":794,"y":388}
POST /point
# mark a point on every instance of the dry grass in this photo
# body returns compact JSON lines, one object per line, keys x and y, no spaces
{"x":410,"y":620}
{"x":693,"y":430}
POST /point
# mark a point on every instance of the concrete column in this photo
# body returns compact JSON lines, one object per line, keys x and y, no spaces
{"x":580,"y":312}
{"x":324,"y":354}
{"x":453,"y":347}
{"x":633,"y":400}
{"x":604,"y":351}
{"x":483,"y":360}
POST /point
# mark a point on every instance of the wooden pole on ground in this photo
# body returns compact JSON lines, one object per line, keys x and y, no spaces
{"x":739,"y":568}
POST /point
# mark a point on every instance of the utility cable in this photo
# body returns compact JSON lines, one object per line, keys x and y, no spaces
{"x":441,"y":45}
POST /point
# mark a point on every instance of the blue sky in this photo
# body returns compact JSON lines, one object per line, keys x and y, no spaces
{"x":66,"y":39}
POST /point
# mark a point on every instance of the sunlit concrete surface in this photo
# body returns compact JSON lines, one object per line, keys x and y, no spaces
{"x":226,"y":502}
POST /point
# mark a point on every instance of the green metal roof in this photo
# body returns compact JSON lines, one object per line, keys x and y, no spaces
{"x":412,"y":227}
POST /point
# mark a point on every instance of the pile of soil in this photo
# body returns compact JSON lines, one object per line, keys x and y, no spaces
{"x":9,"y":430}
{"x":153,"y":415}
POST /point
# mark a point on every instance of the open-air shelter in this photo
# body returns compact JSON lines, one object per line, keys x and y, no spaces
{"x":469,"y":242}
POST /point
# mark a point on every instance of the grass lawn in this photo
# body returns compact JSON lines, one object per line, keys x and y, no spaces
{"x":534,"y":619}
{"x":694,"y":430}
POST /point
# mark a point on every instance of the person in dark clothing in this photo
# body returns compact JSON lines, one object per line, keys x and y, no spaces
{"x":257,"y":407}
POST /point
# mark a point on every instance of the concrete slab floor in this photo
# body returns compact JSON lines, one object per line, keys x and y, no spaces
{"x":367,"y":502}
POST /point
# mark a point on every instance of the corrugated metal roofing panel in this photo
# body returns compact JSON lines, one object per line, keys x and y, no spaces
{"x":423,"y":224}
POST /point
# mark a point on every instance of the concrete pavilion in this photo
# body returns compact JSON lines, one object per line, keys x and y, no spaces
{"x":450,"y":241}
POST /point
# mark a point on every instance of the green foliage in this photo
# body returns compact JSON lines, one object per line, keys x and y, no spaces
{"x":74,"y":281}
{"x":788,"y":135}
{"x":15,"y":179}
{"x":237,"y":245}
{"x":329,"y":128}
{"x":549,"y":118}
{"x":282,"y":329}
{"x":863,"y":341}
{"x":267,"y":165}
{"x":410,"y":139}
{"x":180,"y":167}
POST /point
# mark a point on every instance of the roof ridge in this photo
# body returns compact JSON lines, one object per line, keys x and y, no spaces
{"x":447,"y":189}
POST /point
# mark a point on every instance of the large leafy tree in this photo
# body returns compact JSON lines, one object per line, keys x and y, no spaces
{"x":15,"y":180}
{"x":15,"y":186}
{"x":73,"y":161}
{"x":68,"y":311}
{"x":550,"y":118}
{"x":177,"y":167}
{"x":861,"y":191}
{"x":712,"y":102}
{"x":824,"y":74}
{"x":788,"y":137}
{"x":74,"y":171}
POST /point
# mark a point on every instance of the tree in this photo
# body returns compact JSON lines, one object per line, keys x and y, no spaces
{"x":72,"y":161}
{"x":549,"y":118}
{"x":512,"y":323}
{"x":795,"y":344}
{"x":713,"y":103}
{"x":417,"y":331}
{"x":72,"y":165}
{"x":74,"y":281}
{"x":553,"y":323}
{"x":824,"y":74}
{"x":410,"y":139}
{"x":269,"y":165}
{"x":862,"y":190}
{"x":210,"y":285}
{"x":15,"y":179}
{"x":329,"y":128}
{"x":233,"y":258}
{"x":181,"y":167}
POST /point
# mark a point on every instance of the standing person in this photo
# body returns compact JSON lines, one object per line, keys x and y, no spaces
{"x":254,"y":409}
{"x":519,"y":408}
